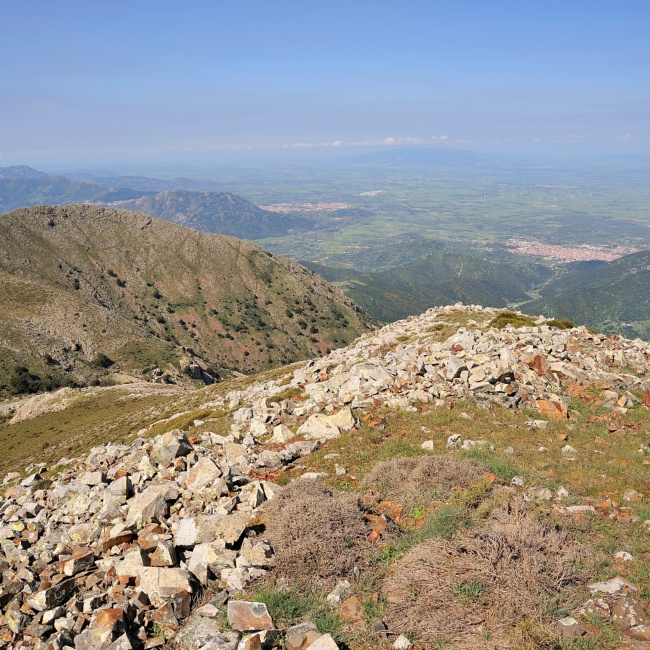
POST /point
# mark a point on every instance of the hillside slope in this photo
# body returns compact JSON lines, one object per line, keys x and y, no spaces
{"x":81,"y":281}
{"x":218,"y":212}
{"x":612,"y":297}
{"x":439,"y":279}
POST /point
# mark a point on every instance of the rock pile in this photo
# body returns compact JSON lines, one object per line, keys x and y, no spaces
{"x":613,"y":600}
{"x":117,"y":549}
{"x":120,"y":545}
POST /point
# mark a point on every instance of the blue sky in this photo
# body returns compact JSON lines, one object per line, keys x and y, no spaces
{"x":102,"y":81}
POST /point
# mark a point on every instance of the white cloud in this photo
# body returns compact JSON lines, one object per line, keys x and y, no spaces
{"x":624,"y":137}
{"x":389,"y":141}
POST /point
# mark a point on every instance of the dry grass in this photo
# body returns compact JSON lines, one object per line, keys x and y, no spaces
{"x":317,"y":533}
{"x":416,"y":482}
{"x":477,"y":589}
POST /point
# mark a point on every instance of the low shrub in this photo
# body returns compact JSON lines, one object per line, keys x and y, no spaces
{"x":512,"y":319}
{"x":316,"y":532}
{"x":483,"y":583}
{"x":415,"y":482}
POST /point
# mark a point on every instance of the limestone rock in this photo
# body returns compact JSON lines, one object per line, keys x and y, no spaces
{"x":160,"y":584}
{"x":169,"y":446}
{"x":613,"y":587}
{"x":282,"y":434}
{"x":105,"y":627}
{"x":203,"y":474}
{"x":327,"y":427}
{"x":402,"y":643}
{"x":569,"y":628}
{"x":149,"y":505}
{"x":244,"y":616}
{"x":325,"y":642}
{"x":206,"y":633}
{"x":627,"y":613}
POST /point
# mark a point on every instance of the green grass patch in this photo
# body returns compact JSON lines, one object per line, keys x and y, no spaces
{"x":470,"y":591}
{"x":501,"y":466}
{"x":294,"y":391}
{"x":301,"y":603}
{"x":444,"y":523}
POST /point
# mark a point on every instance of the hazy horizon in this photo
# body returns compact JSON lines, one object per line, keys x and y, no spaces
{"x":95,"y":84}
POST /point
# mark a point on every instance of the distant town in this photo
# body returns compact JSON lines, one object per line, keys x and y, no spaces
{"x":583,"y":253}
{"x":305,"y":207}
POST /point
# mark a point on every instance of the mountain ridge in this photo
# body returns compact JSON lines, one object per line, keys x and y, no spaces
{"x":80,"y":281}
{"x":218,"y":212}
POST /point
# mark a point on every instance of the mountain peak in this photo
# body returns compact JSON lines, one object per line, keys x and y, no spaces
{"x":20,"y":171}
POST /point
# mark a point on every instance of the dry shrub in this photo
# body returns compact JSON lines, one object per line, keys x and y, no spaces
{"x":316,"y":532}
{"x":415,"y":482}
{"x":476,"y":589}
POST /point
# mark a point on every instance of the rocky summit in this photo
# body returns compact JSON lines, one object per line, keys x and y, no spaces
{"x":160,"y":538}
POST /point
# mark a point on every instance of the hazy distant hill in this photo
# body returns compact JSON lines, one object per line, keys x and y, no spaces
{"x":22,"y":186}
{"x":80,"y":281}
{"x":144,"y":183}
{"x":434,"y":280}
{"x":218,"y":212}
{"x":612,"y":297}
{"x":20,"y":171}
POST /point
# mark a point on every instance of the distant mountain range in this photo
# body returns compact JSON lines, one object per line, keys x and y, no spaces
{"x":82,"y":286}
{"x":20,"y":171}
{"x":413,"y":156}
{"x":389,"y":281}
{"x":218,"y":212}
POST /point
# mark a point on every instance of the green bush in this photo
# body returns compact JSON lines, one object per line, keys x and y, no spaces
{"x":510,"y":318}
{"x":560,"y":324}
{"x":102,"y":361}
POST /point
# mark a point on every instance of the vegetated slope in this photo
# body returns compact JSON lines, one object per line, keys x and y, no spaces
{"x":81,"y":281}
{"x":612,"y":297}
{"x":433,"y":280}
{"x":218,"y":212}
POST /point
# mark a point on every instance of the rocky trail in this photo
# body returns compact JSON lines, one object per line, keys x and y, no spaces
{"x":155,"y":542}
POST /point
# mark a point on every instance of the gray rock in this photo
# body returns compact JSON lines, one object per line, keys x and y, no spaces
{"x":149,"y":505}
{"x":613,"y":587}
{"x":627,"y":613}
{"x":327,"y":427}
{"x":325,"y":642}
{"x":402,"y":643}
{"x":169,"y":446}
{"x":453,"y":440}
{"x":569,"y":628}
{"x":202,"y":475}
{"x":160,"y":583}
{"x":282,"y":434}
{"x":205,"y":633}
{"x":208,"y":559}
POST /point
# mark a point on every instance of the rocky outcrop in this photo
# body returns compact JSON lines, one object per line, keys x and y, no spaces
{"x":117,"y":548}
